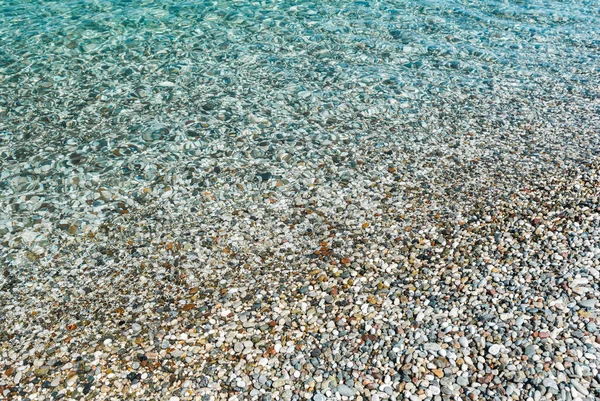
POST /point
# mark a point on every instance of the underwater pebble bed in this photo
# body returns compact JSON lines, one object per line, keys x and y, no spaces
{"x":363,"y":200}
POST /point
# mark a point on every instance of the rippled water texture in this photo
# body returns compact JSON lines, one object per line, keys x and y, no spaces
{"x":103,"y":100}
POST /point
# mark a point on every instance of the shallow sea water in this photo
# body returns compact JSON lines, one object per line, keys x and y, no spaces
{"x":103,"y":102}
{"x":286,"y":200}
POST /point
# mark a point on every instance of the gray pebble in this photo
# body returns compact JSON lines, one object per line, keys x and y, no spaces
{"x":494,"y":349}
{"x":530,"y":350}
{"x":462,"y":381}
{"x":345,"y":390}
{"x":579,"y":387}
{"x":550,"y":383}
{"x":589,"y":303}
{"x":318,"y":397}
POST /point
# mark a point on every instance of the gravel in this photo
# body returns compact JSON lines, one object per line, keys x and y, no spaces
{"x":336,"y":201}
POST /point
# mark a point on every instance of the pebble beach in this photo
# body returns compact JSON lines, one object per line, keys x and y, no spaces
{"x":370,"y":200}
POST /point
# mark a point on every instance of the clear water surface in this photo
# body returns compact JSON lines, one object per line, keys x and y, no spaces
{"x":102,"y":100}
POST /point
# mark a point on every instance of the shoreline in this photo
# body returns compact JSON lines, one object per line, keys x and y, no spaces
{"x":291,"y":302}
{"x":367,"y":200}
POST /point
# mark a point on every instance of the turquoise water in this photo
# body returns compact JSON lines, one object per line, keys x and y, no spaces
{"x":384,"y":188}
{"x":101,"y":99}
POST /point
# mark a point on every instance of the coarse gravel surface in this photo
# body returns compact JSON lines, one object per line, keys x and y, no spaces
{"x":262,"y":201}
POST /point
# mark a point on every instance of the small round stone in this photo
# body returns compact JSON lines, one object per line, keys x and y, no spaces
{"x":494,"y":349}
{"x":318,"y":397}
